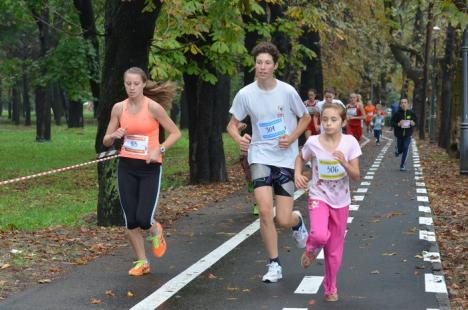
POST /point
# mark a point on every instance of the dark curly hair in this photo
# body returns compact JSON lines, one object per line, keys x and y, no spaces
{"x":268,"y":48}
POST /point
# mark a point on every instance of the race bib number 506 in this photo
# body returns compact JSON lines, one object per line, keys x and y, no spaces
{"x":330,"y":169}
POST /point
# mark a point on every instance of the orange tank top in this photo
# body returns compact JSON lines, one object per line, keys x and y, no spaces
{"x":142,"y":132}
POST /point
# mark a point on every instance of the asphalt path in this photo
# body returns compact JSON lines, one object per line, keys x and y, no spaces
{"x":215,"y":257}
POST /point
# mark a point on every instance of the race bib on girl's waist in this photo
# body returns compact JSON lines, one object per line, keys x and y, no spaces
{"x":272,"y":129}
{"x":351,"y":111}
{"x":330,"y":169}
{"x":136,"y":144}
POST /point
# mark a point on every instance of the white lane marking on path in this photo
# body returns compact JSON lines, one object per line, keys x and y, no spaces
{"x":421,"y":184}
{"x":358,"y":198}
{"x":309,"y":285}
{"x":424,"y":209}
{"x":350,"y":219}
{"x":369,"y":177}
{"x":427,"y":235}
{"x":353,"y":207}
{"x":174,"y":285}
{"x":435,"y":283}
{"x":365,"y":183}
{"x":421,"y":190}
{"x":425,"y":221}
{"x":294,"y":308}
{"x":432,"y":257}
{"x":361,"y":190}
{"x":422,"y":198}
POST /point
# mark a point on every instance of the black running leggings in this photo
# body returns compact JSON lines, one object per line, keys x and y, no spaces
{"x":139,"y":185}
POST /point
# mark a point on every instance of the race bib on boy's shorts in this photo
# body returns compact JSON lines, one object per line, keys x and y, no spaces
{"x":136,"y":144}
{"x":405,"y":123}
{"x":351,"y":111}
{"x":330,"y":169}
{"x":273,"y":129}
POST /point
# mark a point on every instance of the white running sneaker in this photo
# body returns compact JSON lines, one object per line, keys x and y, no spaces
{"x":301,"y":234}
{"x":274,"y":273}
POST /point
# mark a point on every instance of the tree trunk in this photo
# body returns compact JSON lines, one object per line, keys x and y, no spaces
{"x":425,"y":77}
{"x":16,"y":104}
{"x":85,"y":9}
{"x":446,"y":97}
{"x":206,"y":152}
{"x":43,"y":93}
{"x":75,"y":114}
{"x":312,"y":76}
{"x":129,"y":32}
{"x":57,"y":104}
{"x":26,"y":100}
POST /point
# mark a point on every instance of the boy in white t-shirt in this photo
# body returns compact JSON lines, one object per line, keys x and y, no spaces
{"x":334,"y":158}
{"x":273,"y":107}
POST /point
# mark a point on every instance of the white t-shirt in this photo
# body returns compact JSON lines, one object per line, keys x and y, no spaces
{"x":273,"y":113}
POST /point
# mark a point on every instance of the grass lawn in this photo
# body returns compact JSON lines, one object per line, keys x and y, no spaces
{"x":65,"y":198}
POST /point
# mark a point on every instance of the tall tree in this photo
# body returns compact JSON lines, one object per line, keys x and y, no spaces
{"x":129,"y":29}
{"x":43,"y":93}
{"x":86,"y":12}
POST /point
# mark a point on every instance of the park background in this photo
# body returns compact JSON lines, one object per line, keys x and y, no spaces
{"x":62,"y":64}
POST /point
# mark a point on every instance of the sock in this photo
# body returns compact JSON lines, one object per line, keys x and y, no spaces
{"x":298,"y":225}
{"x":276,"y":260}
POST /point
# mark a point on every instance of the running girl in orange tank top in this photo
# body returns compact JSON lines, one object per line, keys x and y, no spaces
{"x":136,"y":120}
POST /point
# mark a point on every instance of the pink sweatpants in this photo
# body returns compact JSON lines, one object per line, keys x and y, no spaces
{"x":327,"y":231}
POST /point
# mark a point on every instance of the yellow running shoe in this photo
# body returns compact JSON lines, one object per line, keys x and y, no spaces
{"x":140,"y":267}
{"x":158,"y":241}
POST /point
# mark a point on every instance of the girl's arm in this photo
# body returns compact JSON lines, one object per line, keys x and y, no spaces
{"x":113,"y":131}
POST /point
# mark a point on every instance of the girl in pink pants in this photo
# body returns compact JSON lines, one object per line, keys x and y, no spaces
{"x":334,"y":157}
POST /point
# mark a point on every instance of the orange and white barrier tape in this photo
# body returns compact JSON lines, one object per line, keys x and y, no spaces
{"x":104,"y":156}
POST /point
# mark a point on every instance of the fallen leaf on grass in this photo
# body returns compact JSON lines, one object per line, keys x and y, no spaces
{"x":5,"y":266}
{"x":110,"y":293}
{"x":3,"y":282}
{"x":130,"y":294}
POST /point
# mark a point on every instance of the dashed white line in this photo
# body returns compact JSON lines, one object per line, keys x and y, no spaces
{"x":309,"y":285}
{"x":425,"y":221}
{"x":435,"y":283}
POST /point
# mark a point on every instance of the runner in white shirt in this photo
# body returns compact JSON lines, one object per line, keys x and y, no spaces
{"x":274,"y":107}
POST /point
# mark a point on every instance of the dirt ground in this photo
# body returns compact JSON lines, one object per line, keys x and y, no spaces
{"x":39,"y":257}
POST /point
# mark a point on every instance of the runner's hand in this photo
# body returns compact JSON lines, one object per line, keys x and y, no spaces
{"x":340,"y":157}
{"x":284,"y":142}
{"x":153,"y":156}
{"x":244,"y":142}
{"x":119,"y":133}
{"x":300,"y":181}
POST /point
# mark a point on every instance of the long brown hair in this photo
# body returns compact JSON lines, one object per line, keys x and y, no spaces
{"x":162,"y":93}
